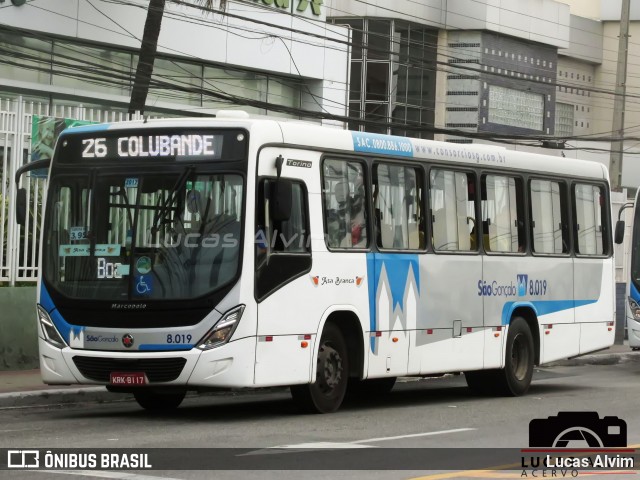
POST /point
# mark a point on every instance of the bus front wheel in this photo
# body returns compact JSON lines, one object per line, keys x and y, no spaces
{"x":326,"y":394}
{"x":156,"y":401}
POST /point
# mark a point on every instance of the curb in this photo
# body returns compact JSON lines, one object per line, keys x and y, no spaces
{"x":70,"y":396}
{"x":597,"y":359}
{"x":53,"y":397}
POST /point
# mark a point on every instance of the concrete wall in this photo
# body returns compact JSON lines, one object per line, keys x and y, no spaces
{"x":542,"y":21}
{"x":18,"y":334}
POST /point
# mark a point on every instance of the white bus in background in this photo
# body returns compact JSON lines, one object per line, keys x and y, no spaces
{"x":186,"y":254}
{"x":632,"y":297}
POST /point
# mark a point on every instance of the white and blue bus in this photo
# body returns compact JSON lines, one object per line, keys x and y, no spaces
{"x":632,"y":297}
{"x":186,"y":254}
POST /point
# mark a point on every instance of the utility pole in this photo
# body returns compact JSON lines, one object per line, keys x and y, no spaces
{"x":617,"y":145}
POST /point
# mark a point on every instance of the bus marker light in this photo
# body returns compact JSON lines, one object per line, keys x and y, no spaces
{"x":496,"y":334}
{"x":469,"y":329}
{"x":378,"y":334}
{"x":609,"y":324}
{"x":550,"y":326}
{"x":268,"y":339}
{"x":307,"y":337}
{"x":304,"y":344}
{"x":395,"y":339}
{"x":429,"y":331}
{"x":547,"y":332}
{"x":498,"y":329}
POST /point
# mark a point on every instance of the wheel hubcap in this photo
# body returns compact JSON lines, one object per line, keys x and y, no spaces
{"x":520,"y":357}
{"x":329,"y":369}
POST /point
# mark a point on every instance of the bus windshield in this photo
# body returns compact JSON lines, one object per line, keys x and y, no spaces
{"x":143,"y":236}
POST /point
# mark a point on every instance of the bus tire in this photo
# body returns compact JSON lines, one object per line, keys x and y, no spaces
{"x":482,"y":382}
{"x":515,"y":378}
{"x":153,"y":400}
{"x":372,"y":386}
{"x":326,"y":393}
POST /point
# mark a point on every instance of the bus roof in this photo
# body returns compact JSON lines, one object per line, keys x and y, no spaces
{"x":304,"y":134}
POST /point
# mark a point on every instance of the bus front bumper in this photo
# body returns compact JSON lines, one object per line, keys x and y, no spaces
{"x":227,"y":366}
{"x":633,"y":332}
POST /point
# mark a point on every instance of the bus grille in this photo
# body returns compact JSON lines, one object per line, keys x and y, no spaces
{"x":156,"y":369}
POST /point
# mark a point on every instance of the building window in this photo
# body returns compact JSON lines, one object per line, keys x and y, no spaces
{"x":564,"y":119}
{"x":516,"y":108}
{"x":391,"y":78}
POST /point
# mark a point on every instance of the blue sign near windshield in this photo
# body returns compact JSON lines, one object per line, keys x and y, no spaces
{"x":385,"y":144}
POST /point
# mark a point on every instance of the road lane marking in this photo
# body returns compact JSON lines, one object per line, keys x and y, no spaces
{"x":352,"y":444}
{"x":414,"y":435}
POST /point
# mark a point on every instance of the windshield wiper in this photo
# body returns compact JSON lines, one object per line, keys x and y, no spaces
{"x":161,"y":214}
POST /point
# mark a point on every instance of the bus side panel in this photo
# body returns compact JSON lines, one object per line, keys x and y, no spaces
{"x":441,"y":352}
{"x":542,"y":285}
{"x":449,"y":306}
{"x":283,"y":360}
{"x":593,"y":290}
{"x":560,"y":340}
{"x":595,"y":305}
{"x":494,"y":341}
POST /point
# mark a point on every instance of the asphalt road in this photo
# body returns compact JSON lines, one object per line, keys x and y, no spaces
{"x":426,"y":413}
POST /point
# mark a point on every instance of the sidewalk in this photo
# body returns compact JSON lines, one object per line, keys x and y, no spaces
{"x":25,"y":388}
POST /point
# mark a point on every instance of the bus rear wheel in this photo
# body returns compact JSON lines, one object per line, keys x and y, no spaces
{"x":158,"y":401}
{"x":326,"y":393}
{"x":515,"y":378}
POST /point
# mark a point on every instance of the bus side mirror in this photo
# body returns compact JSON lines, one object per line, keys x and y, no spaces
{"x":21,"y":206}
{"x":280,"y":200}
{"x":619,"y":236}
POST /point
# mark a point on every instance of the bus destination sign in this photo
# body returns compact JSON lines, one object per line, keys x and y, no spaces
{"x":192,"y":145}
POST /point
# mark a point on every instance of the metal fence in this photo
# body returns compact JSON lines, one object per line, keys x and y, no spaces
{"x":19,"y":257}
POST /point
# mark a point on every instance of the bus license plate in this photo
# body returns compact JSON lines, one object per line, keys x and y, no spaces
{"x":128,"y":378}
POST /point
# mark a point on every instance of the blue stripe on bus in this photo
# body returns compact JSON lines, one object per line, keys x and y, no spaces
{"x":165,"y":347}
{"x":542,"y":307}
{"x":378,"y":143}
{"x":633,"y":293}
{"x":397,"y":267}
{"x":64,"y":328}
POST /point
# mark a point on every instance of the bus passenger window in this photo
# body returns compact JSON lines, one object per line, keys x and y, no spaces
{"x":345,"y":204}
{"x":590,"y":220}
{"x":549,"y":232}
{"x":453,"y":210}
{"x":398,"y":206}
{"x":503,"y":214}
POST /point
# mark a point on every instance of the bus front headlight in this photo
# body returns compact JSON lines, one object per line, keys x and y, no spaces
{"x":635,"y":308}
{"x":49,"y":330}
{"x":222,"y":330}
